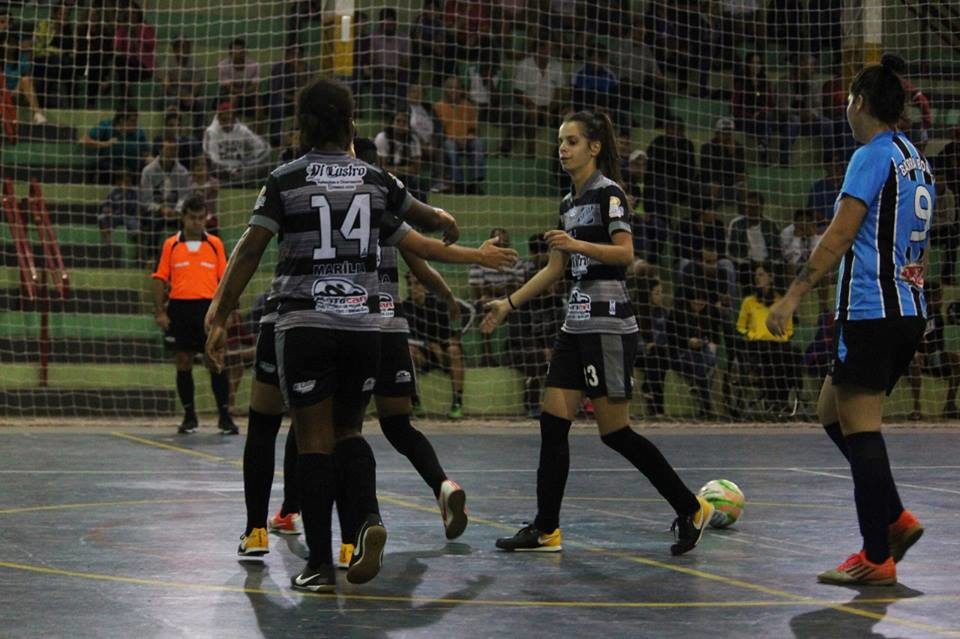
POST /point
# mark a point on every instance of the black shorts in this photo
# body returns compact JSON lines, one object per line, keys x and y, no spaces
{"x":265,"y":364}
{"x":874,"y":354}
{"x":315,"y":364}
{"x":599,"y":364}
{"x":186,"y":325}
{"x":396,"y":377}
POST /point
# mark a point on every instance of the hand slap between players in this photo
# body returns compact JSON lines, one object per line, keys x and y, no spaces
{"x":496,"y":311}
{"x":494,"y":256}
{"x":561,"y":241}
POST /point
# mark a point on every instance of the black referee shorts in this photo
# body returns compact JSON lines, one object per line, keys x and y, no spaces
{"x":186,"y":332}
{"x":599,"y":364}
{"x":875,"y":353}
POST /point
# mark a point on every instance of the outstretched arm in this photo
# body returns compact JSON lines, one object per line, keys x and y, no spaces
{"x":429,"y":277}
{"x":488,"y":254}
{"x":497,"y":310}
{"x":431,"y":218}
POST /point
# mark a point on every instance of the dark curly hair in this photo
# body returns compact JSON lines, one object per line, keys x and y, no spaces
{"x":325,"y":113}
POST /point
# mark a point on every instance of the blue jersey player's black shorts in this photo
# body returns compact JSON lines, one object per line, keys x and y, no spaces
{"x":875,"y":353}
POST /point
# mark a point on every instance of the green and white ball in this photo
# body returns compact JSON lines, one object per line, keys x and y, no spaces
{"x":727,"y":500}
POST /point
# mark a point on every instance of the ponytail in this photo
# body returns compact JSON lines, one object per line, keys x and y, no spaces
{"x":597,"y":127}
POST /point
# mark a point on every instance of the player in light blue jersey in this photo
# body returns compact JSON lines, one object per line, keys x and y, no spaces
{"x":879,"y":239}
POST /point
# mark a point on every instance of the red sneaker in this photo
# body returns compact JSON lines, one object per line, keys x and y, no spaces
{"x":290,"y":524}
{"x":902,"y":534}
{"x":857,"y":570}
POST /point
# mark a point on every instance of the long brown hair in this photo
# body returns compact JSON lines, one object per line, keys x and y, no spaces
{"x":597,"y":127}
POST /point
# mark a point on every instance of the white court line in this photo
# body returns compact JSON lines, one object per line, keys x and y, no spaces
{"x":899,"y":483}
{"x":119,"y":472}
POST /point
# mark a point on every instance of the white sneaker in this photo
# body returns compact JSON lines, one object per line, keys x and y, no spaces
{"x":453,"y":511}
{"x":39,"y":118}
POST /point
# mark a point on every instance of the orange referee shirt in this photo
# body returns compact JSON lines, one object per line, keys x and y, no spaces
{"x":192,"y":268}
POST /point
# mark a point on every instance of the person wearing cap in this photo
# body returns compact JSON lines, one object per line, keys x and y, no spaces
{"x":723,"y":170}
{"x":236,"y":153}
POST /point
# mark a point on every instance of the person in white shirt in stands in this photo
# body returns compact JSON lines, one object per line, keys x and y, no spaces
{"x":797,"y":241}
{"x":398,"y":151}
{"x":423,"y":125}
{"x":239,"y":78}
{"x":164,"y":185}
{"x":236,"y":153}
{"x":537,"y":84}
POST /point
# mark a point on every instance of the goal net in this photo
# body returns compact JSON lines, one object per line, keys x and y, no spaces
{"x":731,"y":130}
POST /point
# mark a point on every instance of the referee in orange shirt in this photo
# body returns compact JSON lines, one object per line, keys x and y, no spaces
{"x":190,"y":267}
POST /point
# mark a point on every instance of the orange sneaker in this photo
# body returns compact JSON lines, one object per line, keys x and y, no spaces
{"x":903,"y":533}
{"x":291,"y":524}
{"x":857,"y":570}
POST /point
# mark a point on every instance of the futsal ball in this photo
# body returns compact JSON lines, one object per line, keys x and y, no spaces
{"x":727,"y":500}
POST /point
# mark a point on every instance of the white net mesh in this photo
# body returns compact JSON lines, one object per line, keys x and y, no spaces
{"x":726,"y":109}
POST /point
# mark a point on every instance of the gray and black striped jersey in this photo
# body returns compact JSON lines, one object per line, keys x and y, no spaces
{"x":392,"y":318}
{"x":330,"y":212}
{"x":598,"y":302}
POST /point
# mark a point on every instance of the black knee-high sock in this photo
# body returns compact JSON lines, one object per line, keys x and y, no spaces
{"x":359,"y":474}
{"x":894,"y":505}
{"x":346,"y":508}
{"x":291,"y":489}
{"x":258,"y":454}
{"x":185,"y":391}
{"x":317,"y":487}
{"x":220,"y":385}
{"x":412,"y":444}
{"x":552,"y":471}
{"x":871,"y":481}
{"x":648,"y":459}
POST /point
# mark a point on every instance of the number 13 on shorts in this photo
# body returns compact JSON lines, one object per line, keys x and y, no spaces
{"x":590,"y":376}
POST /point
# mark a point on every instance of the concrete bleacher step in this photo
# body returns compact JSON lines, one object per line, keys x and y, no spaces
{"x":68,"y":402}
{"x":95,"y":301}
{"x":74,"y":255}
{"x":46,"y":174}
{"x":49,"y":132}
{"x":86,"y":351}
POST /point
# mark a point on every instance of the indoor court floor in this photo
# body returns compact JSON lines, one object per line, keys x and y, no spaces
{"x":131,"y":531}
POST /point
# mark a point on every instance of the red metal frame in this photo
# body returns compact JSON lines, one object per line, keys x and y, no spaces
{"x":29,"y":276}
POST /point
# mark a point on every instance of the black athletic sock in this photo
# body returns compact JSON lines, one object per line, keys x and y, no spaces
{"x":894,"y":505}
{"x":220,"y":384}
{"x":871,"y":481}
{"x":346,"y":513}
{"x":648,"y":459}
{"x":291,"y":488}
{"x":258,"y":462}
{"x":359,"y":475}
{"x":185,"y":392}
{"x":317,"y":481}
{"x":412,"y":444}
{"x":552,"y":471}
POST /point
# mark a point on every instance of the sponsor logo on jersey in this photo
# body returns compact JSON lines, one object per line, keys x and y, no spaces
{"x":303,"y":388}
{"x":339,"y":296}
{"x":261,"y":199}
{"x":578,"y":307}
{"x":368,"y":384}
{"x":912,"y":274}
{"x":616,"y":208}
{"x":584,"y":215}
{"x":267,"y":367}
{"x":336,"y":177}
{"x":613,"y":308}
{"x":403,"y":377}
{"x":578,"y":265}
{"x":387,"y":309}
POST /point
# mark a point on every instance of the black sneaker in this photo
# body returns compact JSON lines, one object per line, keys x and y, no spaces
{"x":226,"y":426}
{"x":322,"y":579}
{"x":188,"y":425}
{"x":368,"y":551}
{"x":688,"y":530}
{"x":531,"y":539}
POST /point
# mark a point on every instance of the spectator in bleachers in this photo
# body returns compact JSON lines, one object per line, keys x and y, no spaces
{"x":398,"y":151}
{"x":723,"y":170}
{"x":121,"y":208}
{"x":483,"y":84}
{"x":389,"y":61}
{"x":787,"y":27}
{"x":537,"y":93}
{"x":947,"y":164}
{"x":695,"y":334}
{"x":713,"y":275}
{"x":641,"y":77}
{"x":691,"y":48}
{"x":739,"y":24}
{"x":919,"y":132}
{"x":236,"y":153}
{"x":164,"y":185}
{"x":181,"y":81}
{"x":945,"y":232}
{"x":134,"y":47}
{"x":286,"y":77}
{"x":653,"y":349}
{"x":798,"y":106}
{"x":933,"y":358}
{"x":825,"y":191}
{"x":798,"y":239}
{"x":533,"y":327}
{"x":54,"y":57}
{"x":597,"y":88}
{"x":239,"y":78}
{"x":188,"y":147}
{"x":670,"y":174}
{"x":488,"y":284}
{"x":461,"y":143}
{"x":774,"y":362}
{"x":427,"y":44}
{"x":753,"y":239}
{"x":291,"y":149}
{"x":119,"y":142}
{"x":96,"y":47}
{"x":18,"y":72}
{"x":826,"y":30}
{"x":634,"y":177}
{"x":423,"y":125}
{"x":207,"y":186}
{"x":433,"y":342}
{"x":753,"y":101}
